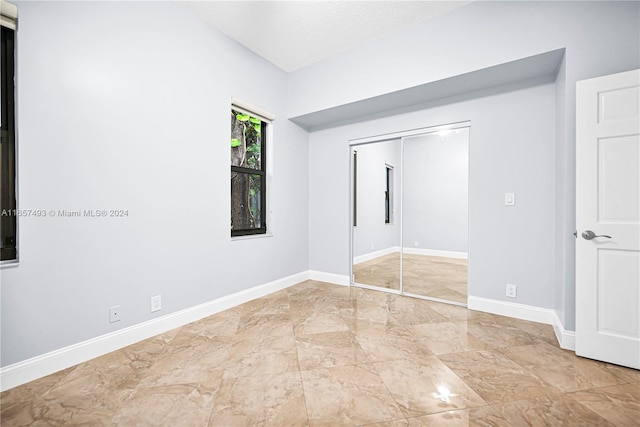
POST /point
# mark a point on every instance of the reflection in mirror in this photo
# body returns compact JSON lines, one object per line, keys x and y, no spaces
{"x":376,"y":232}
{"x":435,"y":215}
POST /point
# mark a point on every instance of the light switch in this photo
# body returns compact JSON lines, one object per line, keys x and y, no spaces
{"x":509,"y":199}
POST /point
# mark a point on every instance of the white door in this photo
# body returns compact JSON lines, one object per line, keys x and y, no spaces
{"x":608,"y":219}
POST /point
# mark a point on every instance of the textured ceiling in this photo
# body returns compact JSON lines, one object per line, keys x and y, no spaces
{"x":294,"y":34}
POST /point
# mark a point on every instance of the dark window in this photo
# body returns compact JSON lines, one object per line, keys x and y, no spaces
{"x":248,"y":174}
{"x":8,"y":222}
{"x":355,"y":188}
{"x":388,"y":195}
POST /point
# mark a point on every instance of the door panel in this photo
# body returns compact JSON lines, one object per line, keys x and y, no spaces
{"x":608,"y":204}
{"x":618,"y":179}
{"x":618,"y":105}
{"x":618,"y":293}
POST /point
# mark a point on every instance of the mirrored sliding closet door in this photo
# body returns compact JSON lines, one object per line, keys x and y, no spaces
{"x":435,"y":215}
{"x":376,"y":214}
{"x":410,"y":213}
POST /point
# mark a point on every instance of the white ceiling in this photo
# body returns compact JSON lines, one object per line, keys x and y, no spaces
{"x":294,"y":34}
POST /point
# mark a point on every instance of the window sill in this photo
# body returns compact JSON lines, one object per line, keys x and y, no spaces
{"x":251,"y":236}
{"x":9,"y":263}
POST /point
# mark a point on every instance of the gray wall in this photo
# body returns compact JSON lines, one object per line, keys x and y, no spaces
{"x":600,"y":38}
{"x":126,"y":106}
{"x":435,"y":193}
{"x":372,"y":234}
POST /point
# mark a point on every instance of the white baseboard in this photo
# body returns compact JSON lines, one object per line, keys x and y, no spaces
{"x":435,"y":252}
{"x":511,"y":309}
{"x":548,"y":316}
{"x":335,"y":279}
{"x":371,"y":255}
{"x":54,"y":361}
{"x":413,"y":251}
{"x":566,"y":339}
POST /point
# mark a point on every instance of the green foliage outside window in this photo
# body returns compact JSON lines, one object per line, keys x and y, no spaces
{"x":247,"y":174}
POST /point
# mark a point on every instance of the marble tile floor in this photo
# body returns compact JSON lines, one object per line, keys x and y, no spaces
{"x":433,"y":276}
{"x":322,"y":355}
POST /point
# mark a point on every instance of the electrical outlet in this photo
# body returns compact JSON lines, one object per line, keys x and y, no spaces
{"x":373,"y":246}
{"x":509,"y":199}
{"x":114,"y":314}
{"x":415,"y":243}
{"x":156,"y":303}
{"x":511,"y":290}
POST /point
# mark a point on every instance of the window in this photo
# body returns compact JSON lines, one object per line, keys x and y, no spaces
{"x":248,"y":173}
{"x":355,"y":188}
{"x":8,"y":220}
{"x":388,"y":195}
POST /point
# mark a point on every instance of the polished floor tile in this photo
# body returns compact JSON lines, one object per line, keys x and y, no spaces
{"x":325,"y":350}
{"x":23,"y":406}
{"x":394,"y":423}
{"x":322,"y":355}
{"x":484,"y":416}
{"x":494,"y":376}
{"x":261,"y":400}
{"x":267,"y":356}
{"x":618,"y":404}
{"x":447,"y":337}
{"x":560,"y":368}
{"x":392,"y":341}
{"x":347,"y":395}
{"x":553,"y":409}
{"x":176,"y":404}
{"x":425,"y":385}
{"x":497,"y":334}
{"x":409,"y":311}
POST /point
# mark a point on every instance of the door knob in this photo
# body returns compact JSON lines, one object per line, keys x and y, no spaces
{"x":589,"y":235}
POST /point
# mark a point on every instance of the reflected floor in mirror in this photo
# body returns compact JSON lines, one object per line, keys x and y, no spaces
{"x":432,"y":276}
{"x":317,"y":354}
